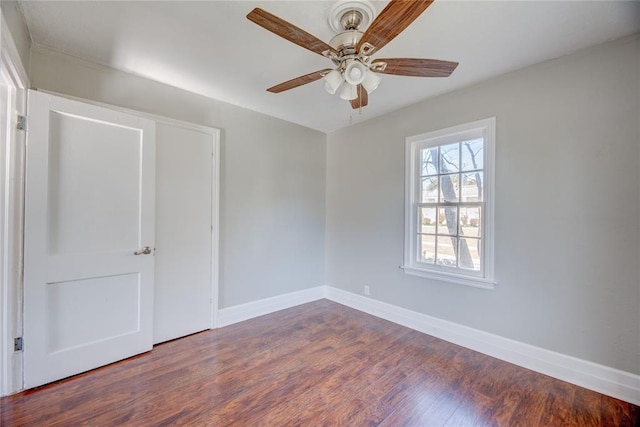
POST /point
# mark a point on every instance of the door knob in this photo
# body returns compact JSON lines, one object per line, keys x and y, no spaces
{"x":144,"y":251}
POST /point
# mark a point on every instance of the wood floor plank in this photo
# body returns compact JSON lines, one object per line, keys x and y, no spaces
{"x":615,"y":412}
{"x":370,"y":384}
{"x":317,"y":364}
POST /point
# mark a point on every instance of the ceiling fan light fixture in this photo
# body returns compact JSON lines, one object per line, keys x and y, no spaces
{"x":355,"y":72}
{"x":349,"y":92}
{"x":332,"y":81}
{"x":371,"y":81}
{"x":350,"y":50}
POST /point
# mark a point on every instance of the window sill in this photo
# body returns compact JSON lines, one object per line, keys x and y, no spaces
{"x":476,"y":282}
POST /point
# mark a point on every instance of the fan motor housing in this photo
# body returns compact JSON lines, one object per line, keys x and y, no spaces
{"x":345,"y":42}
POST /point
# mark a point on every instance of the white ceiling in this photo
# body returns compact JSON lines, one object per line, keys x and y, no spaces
{"x":209,"y":47}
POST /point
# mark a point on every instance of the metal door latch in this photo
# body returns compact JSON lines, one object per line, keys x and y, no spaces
{"x":144,"y":251}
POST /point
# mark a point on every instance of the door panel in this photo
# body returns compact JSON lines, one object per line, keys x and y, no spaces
{"x":183,"y":279}
{"x":89,"y":205}
{"x":89,"y":163}
{"x":71,"y":325}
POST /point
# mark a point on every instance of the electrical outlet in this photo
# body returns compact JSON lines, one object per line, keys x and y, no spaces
{"x":367,"y":290}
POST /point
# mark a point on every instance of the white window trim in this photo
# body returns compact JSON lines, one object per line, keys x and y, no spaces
{"x":485,"y":278}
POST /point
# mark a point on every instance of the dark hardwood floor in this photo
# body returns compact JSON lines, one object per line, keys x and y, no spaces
{"x":315,"y":364}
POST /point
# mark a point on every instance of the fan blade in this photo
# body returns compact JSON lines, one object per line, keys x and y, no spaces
{"x":417,"y":67}
{"x":299,"y":81}
{"x":393,"y":19}
{"x":288,"y":31}
{"x":362,"y":100}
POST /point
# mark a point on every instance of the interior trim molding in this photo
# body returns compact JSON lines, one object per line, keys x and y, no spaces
{"x":238,"y":313}
{"x":602,"y":379}
{"x":11,"y":201}
{"x":10,"y":55}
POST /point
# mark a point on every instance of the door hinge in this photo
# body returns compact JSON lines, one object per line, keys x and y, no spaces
{"x":22,"y":123}
{"x":18,"y":344}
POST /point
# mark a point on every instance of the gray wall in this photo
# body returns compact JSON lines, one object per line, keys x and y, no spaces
{"x":567,"y":206}
{"x":17,"y":27}
{"x":272,"y":181}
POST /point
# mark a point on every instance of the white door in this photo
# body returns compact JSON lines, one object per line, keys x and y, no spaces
{"x":184,"y":223}
{"x":89,"y":206}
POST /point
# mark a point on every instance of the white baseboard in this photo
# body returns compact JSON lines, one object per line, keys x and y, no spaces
{"x":239,"y":313}
{"x":602,"y":379}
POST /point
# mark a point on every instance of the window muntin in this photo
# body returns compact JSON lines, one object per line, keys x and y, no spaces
{"x":448,"y":233}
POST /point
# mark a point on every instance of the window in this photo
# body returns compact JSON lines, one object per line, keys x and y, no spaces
{"x":449,"y":204}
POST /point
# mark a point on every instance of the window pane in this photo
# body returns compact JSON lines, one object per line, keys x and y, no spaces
{"x":429,"y":161}
{"x":426,"y":248}
{"x":448,"y":220}
{"x":429,"y":190}
{"x":427,"y":220}
{"x":472,"y":156}
{"x":447,"y":251}
{"x":470,"y":221}
{"x":469,"y":253}
{"x":450,"y":158}
{"x":449,"y":188}
{"x":472,"y":187}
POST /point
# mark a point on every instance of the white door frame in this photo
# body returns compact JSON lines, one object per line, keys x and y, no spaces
{"x":13,"y":73}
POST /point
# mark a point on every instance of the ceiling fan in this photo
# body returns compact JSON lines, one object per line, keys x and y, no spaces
{"x":351,"y":49}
